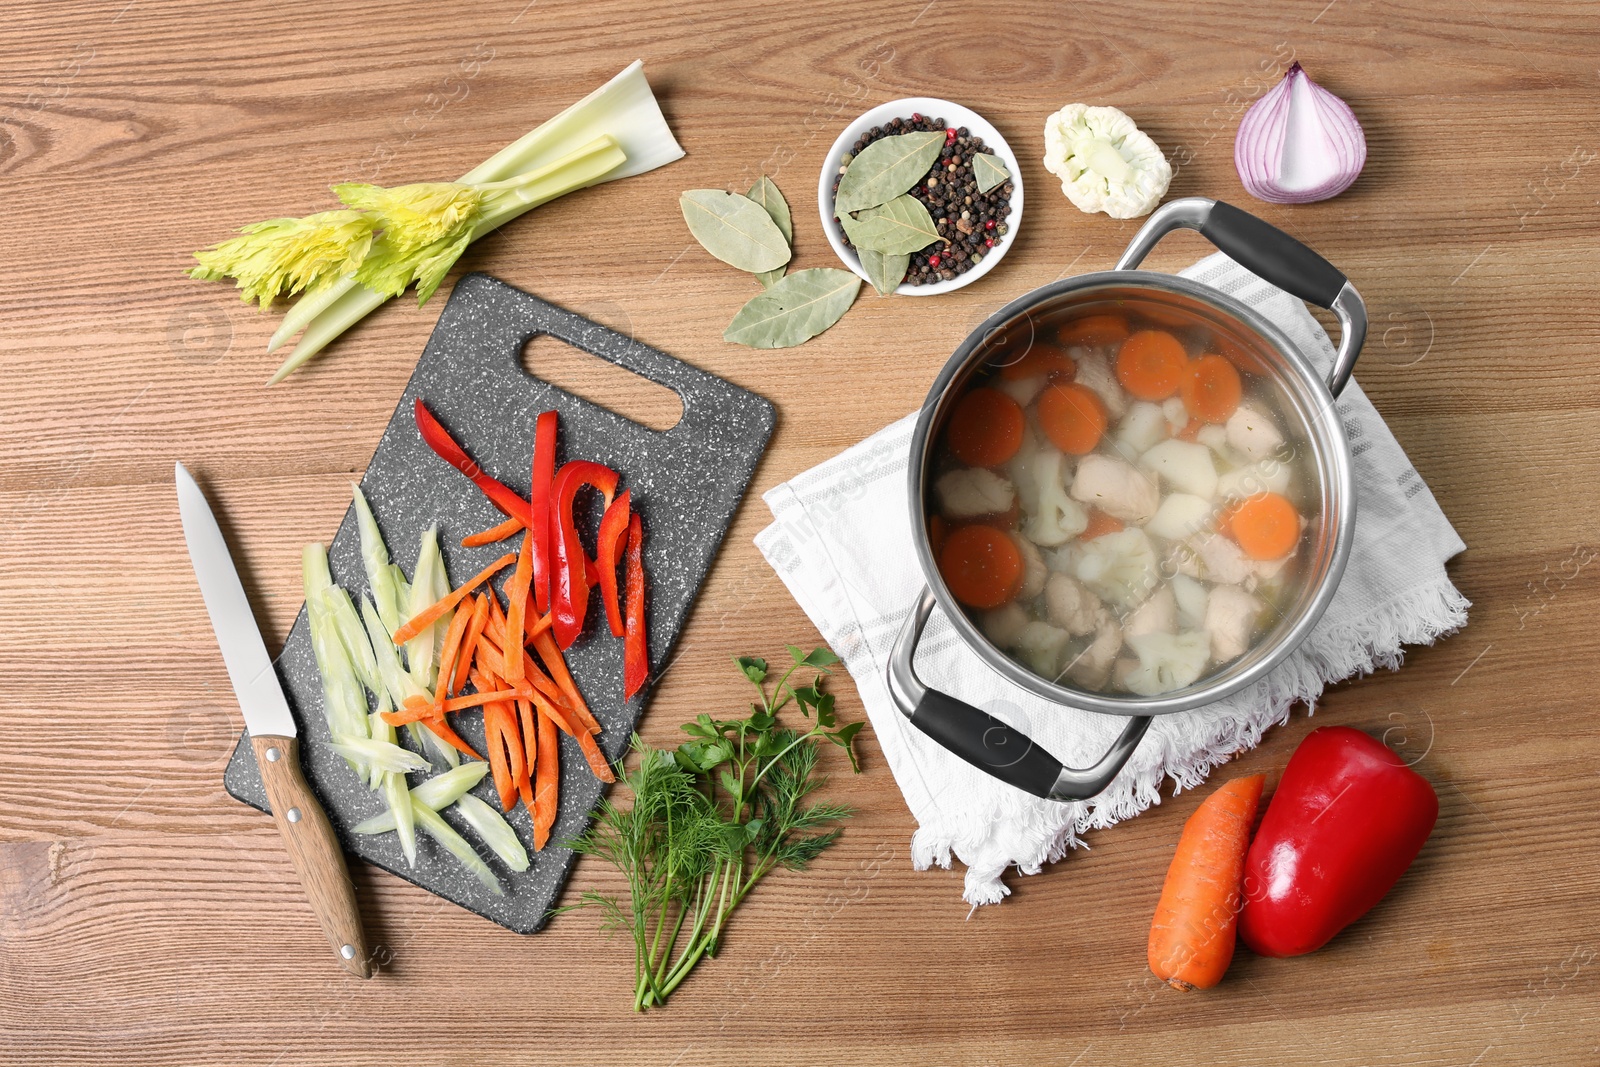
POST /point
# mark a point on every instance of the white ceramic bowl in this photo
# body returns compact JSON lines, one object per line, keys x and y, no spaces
{"x":953,"y":115}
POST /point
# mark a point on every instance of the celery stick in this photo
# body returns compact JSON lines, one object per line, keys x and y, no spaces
{"x":494,"y":830}
{"x":457,"y":846}
{"x":375,"y":559}
{"x":344,"y":701}
{"x":420,"y":649}
{"x":352,"y":636}
{"x":381,"y":754}
{"x":398,"y":797}
{"x":399,"y":684}
{"x":437,"y":792}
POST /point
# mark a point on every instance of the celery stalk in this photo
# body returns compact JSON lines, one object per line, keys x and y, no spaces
{"x":420,"y":649}
{"x":351,"y":302}
{"x":375,"y":560}
{"x":381,"y":754}
{"x":437,"y":792}
{"x":458,"y":846}
{"x":494,"y":830}
{"x":623,"y":108}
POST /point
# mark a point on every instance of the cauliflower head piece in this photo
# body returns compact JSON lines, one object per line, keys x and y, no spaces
{"x":1104,"y":161}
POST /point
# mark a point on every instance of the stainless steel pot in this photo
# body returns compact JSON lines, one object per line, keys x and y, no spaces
{"x":1004,"y":751}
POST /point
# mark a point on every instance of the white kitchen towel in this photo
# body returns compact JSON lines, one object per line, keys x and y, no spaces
{"x":841,"y":541}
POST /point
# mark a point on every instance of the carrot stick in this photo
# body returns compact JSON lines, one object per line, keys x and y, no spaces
{"x":492,"y":534}
{"x":546,"y":783}
{"x":1192,"y":936}
{"x":449,"y":737}
{"x":528,"y":721}
{"x":981,"y":566}
{"x":431,"y":614}
{"x":469,"y":642}
{"x":489,"y":651}
{"x":516,"y":609}
{"x":504,"y":783}
{"x":448,"y":654}
{"x":550,"y":653}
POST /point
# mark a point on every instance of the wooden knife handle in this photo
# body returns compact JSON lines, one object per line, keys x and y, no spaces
{"x":314,"y":848}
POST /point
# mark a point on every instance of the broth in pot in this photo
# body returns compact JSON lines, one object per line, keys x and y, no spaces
{"x":1120,"y":501}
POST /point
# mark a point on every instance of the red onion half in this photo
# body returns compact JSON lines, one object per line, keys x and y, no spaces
{"x":1298,"y":143}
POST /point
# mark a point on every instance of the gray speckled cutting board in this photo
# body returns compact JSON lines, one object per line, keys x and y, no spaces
{"x":686,"y":482}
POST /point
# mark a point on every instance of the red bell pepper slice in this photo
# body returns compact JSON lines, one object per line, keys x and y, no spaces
{"x":1346,"y":821}
{"x":569,"y":576}
{"x":544,"y":472}
{"x":439,"y":439}
{"x":608,"y":550}
{"x":635,"y":645}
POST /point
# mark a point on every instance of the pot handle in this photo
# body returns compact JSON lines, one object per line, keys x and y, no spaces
{"x":1265,"y":250}
{"x":987,"y":743}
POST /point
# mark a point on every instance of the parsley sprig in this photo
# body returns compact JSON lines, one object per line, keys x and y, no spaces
{"x":713,"y":817}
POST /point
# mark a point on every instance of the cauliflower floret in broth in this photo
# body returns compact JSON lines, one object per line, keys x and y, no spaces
{"x":973,"y":492}
{"x":1167,"y":661}
{"x":1042,"y":647}
{"x":1191,"y":597}
{"x":1056,"y":518}
{"x":1120,"y":567}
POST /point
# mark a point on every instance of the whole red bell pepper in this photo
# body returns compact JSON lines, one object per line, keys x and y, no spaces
{"x":569,"y":575}
{"x":1346,"y":821}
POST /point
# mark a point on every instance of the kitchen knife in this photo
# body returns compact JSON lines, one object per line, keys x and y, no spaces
{"x":306,"y":831}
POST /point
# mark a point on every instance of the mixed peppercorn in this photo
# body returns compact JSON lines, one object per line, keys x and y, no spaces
{"x":971,"y":222}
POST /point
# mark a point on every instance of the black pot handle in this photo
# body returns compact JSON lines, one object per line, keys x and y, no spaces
{"x":1267,"y":251}
{"x":987,"y":743}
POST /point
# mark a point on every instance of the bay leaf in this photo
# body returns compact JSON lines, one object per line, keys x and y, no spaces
{"x":885,"y":169}
{"x":989,"y":170}
{"x":765,"y":192}
{"x":797,"y":308}
{"x":901,"y":225}
{"x":884,"y":271}
{"x":735,"y":229}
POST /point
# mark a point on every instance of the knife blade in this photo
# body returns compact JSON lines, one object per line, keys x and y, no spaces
{"x":313,"y":847}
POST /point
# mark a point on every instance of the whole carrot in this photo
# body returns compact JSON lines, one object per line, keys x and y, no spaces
{"x":1192,"y":936}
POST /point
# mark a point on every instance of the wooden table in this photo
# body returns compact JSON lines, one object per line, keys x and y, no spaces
{"x":147,"y":918}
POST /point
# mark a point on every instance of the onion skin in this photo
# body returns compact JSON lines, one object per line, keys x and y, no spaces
{"x":1259,"y":147}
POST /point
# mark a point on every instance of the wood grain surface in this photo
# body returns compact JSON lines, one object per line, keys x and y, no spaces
{"x":146,"y":918}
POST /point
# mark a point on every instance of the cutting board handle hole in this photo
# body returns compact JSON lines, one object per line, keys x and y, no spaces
{"x":602,"y":382}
